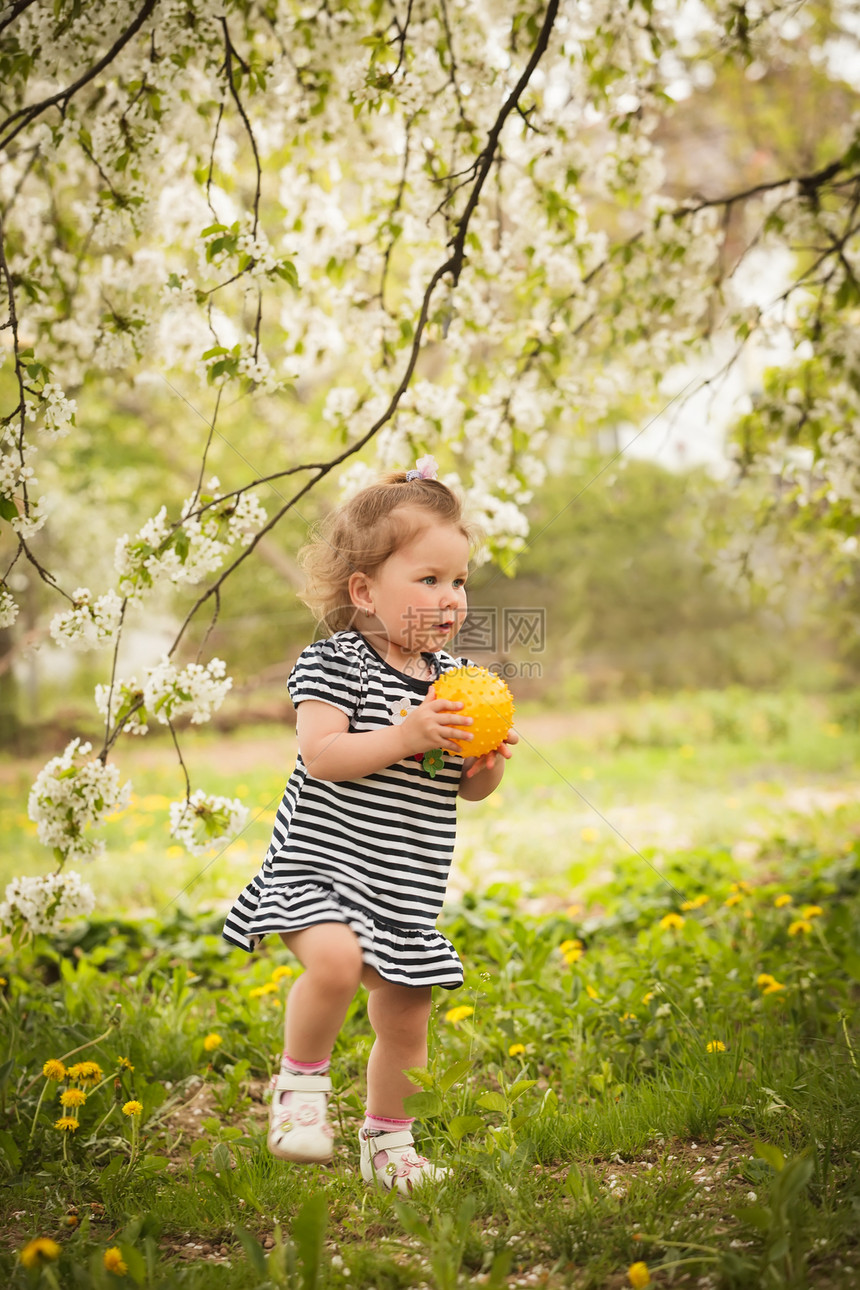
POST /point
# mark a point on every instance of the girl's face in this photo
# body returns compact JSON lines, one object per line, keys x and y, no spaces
{"x":417,"y":597}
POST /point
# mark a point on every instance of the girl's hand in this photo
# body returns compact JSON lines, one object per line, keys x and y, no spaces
{"x":472,"y":765}
{"x":433,"y":724}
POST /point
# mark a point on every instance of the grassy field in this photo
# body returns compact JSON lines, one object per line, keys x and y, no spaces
{"x":651,"y":1072}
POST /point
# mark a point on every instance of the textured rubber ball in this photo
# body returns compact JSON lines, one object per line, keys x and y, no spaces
{"x":486,"y":699}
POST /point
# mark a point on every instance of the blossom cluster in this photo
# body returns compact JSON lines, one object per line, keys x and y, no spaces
{"x":70,"y":796}
{"x":166,"y":692}
{"x":203,"y":820}
{"x":88,"y":624}
{"x":39,"y":906}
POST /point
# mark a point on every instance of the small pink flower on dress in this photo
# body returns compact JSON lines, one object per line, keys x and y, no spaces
{"x":306,"y":1114}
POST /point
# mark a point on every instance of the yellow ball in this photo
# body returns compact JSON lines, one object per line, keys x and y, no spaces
{"x":486,"y":699}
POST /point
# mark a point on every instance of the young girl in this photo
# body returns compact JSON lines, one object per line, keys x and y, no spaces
{"x":355,"y":874}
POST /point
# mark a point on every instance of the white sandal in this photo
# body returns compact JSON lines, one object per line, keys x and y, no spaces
{"x":300,"y":1130}
{"x":391,"y":1161}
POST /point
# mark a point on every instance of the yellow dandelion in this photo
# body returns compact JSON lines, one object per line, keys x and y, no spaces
{"x":86,"y":1073}
{"x":114,"y":1262}
{"x":773,"y":987}
{"x":639,"y":1276}
{"x":54,"y":1069}
{"x":67,"y":1124}
{"x":211,"y":1042}
{"x":716,"y":1046}
{"x":73,"y":1097}
{"x":458,"y":1014}
{"x":39,"y":1251}
{"x":572,"y":956}
{"x":764,"y":978}
{"x":132,"y":1108}
{"x":628,"y":1016}
{"x":812,"y":911}
{"x":800,"y":926}
{"x":646,"y":998}
{"x":571,"y":944}
{"x":259,"y":991}
{"x":124,"y":1064}
{"x":782,"y":900}
{"x":3,"y":981}
{"x":591,"y":992}
{"x":281,"y":971}
{"x":516,"y":1050}
{"x":589,"y":835}
{"x":671,"y":921}
{"x":741,"y":886}
{"x":734,"y":899}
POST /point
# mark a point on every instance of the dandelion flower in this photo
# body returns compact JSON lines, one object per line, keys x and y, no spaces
{"x":73,"y":1097}
{"x":639,"y":1276}
{"x":124,"y":1064}
{"x":734,"y":899}
{"x":768,"y":984}
{"x":696,"y":903}
{"x":812,"y":911}
{"x":132,"y":1108}
{"x":211,"y":1042}
{"x":646,"y":998}
{"x":800,"y":926}
{"x":3,"y":981}
{"x":281,"y":971}
{"x":86,"y":1073}
{"x":54,"y":1069}
{"x":628,"y":1016}
{"x":716,"y":1046}
{"x":516,"y":1050}
{"x":39,"y":1251}
{"x":741,"y":886}
{"x":671,"y":920}
{"x":782,"y":900}
{"x":458,"y":1014}
{"x":67,"y":1123}
{"x":259,"y":991}
{"x":591,"y":992}
{"x":114,"y":1262}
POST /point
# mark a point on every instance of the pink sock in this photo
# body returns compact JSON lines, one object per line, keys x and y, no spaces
{"x":381,"y":1124}
{"x":292,"y":1067}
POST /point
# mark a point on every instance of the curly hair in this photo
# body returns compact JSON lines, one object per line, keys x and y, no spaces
{"x":360,"y":535}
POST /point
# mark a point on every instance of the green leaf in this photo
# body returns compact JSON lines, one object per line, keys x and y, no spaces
{"x":754,"y":1215}
{"x":454,"y":1074}
{"x":9,"y":1150}
{"x":253,"y":1250}
{"x":460,"y":1125}
{"x":309,"y":1237}
{"x":423,"y":1104}
{"x":771,"y":1154}
{"x":8,"y":509}
{"x":412,"y":1223}
{"x":521,"y":1086}
{"x":493,"y":1102}
{"x":135,"y":1262}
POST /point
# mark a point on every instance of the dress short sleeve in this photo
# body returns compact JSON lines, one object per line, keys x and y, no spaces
{"x":330,"y":672}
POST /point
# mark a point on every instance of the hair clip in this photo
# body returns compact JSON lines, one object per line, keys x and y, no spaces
{"x":425,"y":468}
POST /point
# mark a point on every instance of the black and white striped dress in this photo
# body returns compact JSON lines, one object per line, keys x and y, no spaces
{"x":373,"y":853}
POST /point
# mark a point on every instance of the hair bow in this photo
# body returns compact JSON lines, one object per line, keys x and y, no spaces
{"x":425,"y":468}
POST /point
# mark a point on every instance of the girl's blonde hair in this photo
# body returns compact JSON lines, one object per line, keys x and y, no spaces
{"x":360,"y":535}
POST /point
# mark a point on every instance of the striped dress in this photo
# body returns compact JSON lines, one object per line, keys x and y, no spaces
{"x":374,"y":852}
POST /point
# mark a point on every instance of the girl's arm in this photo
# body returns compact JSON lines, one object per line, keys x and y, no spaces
{"x":482,"y":775}
{"x":330,"y":750}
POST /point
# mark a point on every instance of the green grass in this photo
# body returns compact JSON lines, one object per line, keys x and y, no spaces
{"x":589,"y":1125}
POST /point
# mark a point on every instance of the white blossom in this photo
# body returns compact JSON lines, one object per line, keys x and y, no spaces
{"x":204,"y":821}
{"x":69,"y":796}
{"x":88,"y":624}
{"x":35,"y":906}
{"x":8,"y":607}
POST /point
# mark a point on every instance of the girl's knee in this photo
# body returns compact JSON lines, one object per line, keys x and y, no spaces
{"x":331,"y":956}
{"x":399,"y":1012}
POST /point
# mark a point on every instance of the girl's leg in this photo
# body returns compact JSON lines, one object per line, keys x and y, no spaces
{"x":317,"y":1002}
{"x":298,"y":1123}
{"x":399,"y":1015}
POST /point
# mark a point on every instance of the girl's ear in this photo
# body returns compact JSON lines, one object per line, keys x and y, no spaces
{"x":359,"y":591}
